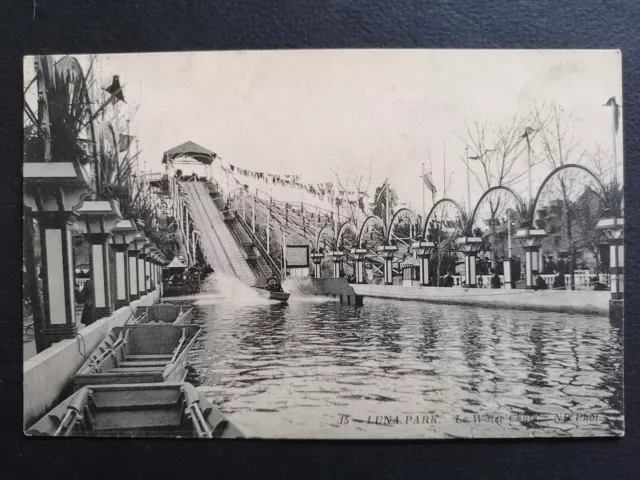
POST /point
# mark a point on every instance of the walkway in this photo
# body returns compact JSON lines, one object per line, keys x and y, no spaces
{"x":567,"y":301}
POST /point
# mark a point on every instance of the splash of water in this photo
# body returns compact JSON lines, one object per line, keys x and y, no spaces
{"x":297,"y":286}
{"x":224,"y":288}
{"x":302,"y":289}
{"x":221,"y":287}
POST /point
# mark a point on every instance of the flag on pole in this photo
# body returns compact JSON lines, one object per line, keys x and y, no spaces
{"x":428,"y":181}
{"x":616,"y":111}
{"x":115,"y":89}
{"x":124,"y":142}
{"x":527,"y":132}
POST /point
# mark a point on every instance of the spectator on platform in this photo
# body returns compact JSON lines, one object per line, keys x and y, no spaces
{"x":480,"y":282}
{"x":597,"y":285}
{"x":558,"y":281}
{"x":495,"y":279}
{"x":448,"y":280}
{"x":538,"y":281}
{"x":86,"y":297}
{"x":561,"y":266}
{"x":551,"y":266}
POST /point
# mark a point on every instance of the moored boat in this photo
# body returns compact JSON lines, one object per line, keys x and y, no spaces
{"x":163,"y":313}
{"x":139,"y":354}
{"x":136,"y":410}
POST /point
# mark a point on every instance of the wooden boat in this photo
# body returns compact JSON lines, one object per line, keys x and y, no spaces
{"x":138,"y":410}
{"x":139,"y":354}
{"x":260,"y":286}
{"x":280,"y":297}
{"x":163,"y":313}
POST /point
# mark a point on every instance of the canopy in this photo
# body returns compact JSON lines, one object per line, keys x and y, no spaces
{"x":175,"y":263}
{"x":190,"y":149}
{"x":409,"y":262}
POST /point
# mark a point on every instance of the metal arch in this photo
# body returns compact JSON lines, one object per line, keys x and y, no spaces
{"x":370,"y":217}
{"x":393,"y":219}
{"x":439,"y":202}
{"x":342,"y":229}
{"x":326,"y":227}
{"x":485,"y":194}
{"x":558,"y":170}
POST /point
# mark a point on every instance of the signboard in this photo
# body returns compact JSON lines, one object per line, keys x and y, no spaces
{"x":297,"y":256}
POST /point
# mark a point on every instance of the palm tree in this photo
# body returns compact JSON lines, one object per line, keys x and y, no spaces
{"x":61,"y":129}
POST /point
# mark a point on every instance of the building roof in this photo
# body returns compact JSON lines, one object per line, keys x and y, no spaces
{"x":175,"y":263}
{"x":409,"y":262}
{"x":190,"y":149}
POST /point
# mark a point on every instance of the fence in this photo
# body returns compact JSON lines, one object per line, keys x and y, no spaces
{"x":583,"y":280}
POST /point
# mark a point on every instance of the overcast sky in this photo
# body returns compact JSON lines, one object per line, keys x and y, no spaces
{"x":307,"y":112}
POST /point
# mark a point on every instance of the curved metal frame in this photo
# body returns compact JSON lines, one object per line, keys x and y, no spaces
{"x":364,"y":224}
{"x":393,"y":219}
{"x":493,"y":189}
{"x":439,"y":202}
{"x":558,"y":170}
{"x":326,"y":227}
{"x":343,"y":229}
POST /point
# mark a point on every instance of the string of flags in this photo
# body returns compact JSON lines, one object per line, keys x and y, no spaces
{"x":319,"y":190}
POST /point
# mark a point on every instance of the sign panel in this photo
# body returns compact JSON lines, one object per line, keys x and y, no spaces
{"x":297,"y":256}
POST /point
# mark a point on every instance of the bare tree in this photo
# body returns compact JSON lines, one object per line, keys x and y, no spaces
{"x":495,"y":159}
{"x":358,"y":183}
{"x":561,"y":148}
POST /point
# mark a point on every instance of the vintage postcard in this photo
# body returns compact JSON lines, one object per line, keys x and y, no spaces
{"x":324,"y":244}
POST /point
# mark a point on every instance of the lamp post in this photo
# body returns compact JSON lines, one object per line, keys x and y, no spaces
{"x":507,"y":264}
{"x":123,"y":234}
{"x":530,"y":239}
{"x":359,"y":255}
{"x":424,"y":250}
{"x":527,"y":136}
{"x":469,"y":246}
{"x":613,"y":228}
{"x":337,"y":257}
{"x":141,"y":241}
{"x":388,"y":252}
{"x":316,"y":258}
{"x":100,"y":217}
{"x":133,"y":252}
{"x":53,"y":191}
{"x":148,"y":246}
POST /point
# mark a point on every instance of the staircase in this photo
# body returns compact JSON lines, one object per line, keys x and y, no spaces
{"x":219,"y":247}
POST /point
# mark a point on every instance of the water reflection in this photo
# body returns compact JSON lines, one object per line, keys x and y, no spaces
{"x":294,"y":370}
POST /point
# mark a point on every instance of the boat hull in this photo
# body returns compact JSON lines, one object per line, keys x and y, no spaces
{"x":147,"y":353}
{"x":278,"y":297}
{"x":164,"y":313}
{"x":174,"y":410}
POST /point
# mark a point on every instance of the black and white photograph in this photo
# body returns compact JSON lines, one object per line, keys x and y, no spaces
{"x":324,"y":244}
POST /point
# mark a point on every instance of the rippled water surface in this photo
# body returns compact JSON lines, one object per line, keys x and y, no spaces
{"x":395,"y":369}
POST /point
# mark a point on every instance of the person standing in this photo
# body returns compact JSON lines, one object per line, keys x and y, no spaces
{"x":448,"y":280}
{"x":86,"y":297}
{"x":560,"y":266}
{"x":495,"y":279}
{"x":558,"y":281}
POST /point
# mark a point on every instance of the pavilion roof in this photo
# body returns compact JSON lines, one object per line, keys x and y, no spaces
{"x":190,"y":149}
